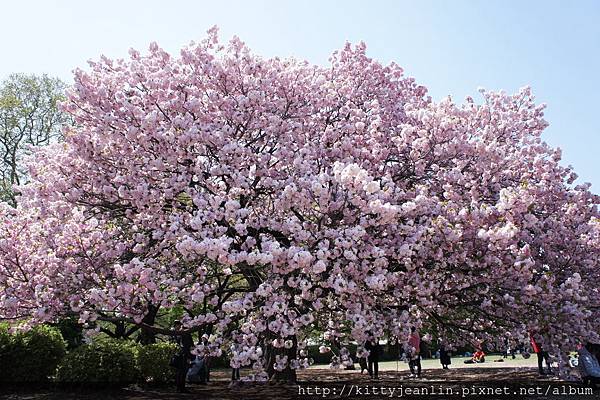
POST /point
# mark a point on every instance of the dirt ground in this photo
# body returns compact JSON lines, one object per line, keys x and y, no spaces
{"x":317,"y":383}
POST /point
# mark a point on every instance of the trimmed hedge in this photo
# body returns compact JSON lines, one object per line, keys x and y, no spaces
{"x":30,"y":356}
{"x":153,"y":361}
{"x":110,"y":362}
{"x":40,"y":355}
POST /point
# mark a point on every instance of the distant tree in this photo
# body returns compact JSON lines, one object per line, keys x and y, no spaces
{"x":29,"y":116}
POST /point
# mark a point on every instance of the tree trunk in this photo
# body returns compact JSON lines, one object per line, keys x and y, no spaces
{"x":148,"y":336}
{"x":288,"y":375}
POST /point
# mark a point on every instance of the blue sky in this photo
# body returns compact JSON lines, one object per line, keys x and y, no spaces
{"x":452,"y":47}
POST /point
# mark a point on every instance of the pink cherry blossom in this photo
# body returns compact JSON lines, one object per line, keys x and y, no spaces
{"x":281,"y":196}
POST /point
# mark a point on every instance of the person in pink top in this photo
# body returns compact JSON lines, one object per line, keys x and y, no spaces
{"x":414,"y":344}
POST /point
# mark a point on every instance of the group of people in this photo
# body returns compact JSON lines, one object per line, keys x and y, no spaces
{"x":589,"y":355}
{"x":412,"y":353}
{"x":197,"y":369}
{"x":188,"y":367}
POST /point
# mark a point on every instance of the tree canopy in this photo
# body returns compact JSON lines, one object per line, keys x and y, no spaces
{"x":264,"y":196}
{"x":29,"y":116}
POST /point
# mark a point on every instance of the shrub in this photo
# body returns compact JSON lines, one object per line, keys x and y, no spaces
{"x":153,"y":362}
{"x":10,"y":351}
{"x":30,"y":356}
{"x":112,"y":362}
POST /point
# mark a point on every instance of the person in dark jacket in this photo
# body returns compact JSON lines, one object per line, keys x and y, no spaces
{"x":542,"y":355}
{"x":445,"y":359}
{"x":374,"y":348}
{"x":184,"y":356}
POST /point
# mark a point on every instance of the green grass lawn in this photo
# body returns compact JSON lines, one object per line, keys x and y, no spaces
{"x":457,"y":362}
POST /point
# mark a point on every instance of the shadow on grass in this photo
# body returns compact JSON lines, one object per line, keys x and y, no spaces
{"x":471,"y":383}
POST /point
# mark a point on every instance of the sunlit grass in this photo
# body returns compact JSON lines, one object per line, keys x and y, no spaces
{"x":457,"y":362}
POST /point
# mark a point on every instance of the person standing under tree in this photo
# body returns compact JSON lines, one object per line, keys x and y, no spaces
{"x":414,"y":344}
{"x":373,"y":347}
{"x":235,"y":347}
{"x":207,"y":358}
{"x":445,"y":359}
{"x":182,"y":359}
{"x":541,"y":354}
{"x":362,"y":361}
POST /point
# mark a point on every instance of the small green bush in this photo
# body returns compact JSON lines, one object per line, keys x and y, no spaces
{"x":153,"y":362}
{"x":110,"y":362}
{"x":30,"y":356}
{"x":10,"y":351}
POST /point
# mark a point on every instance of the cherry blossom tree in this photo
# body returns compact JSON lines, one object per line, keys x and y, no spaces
{"x":267,"y":197}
